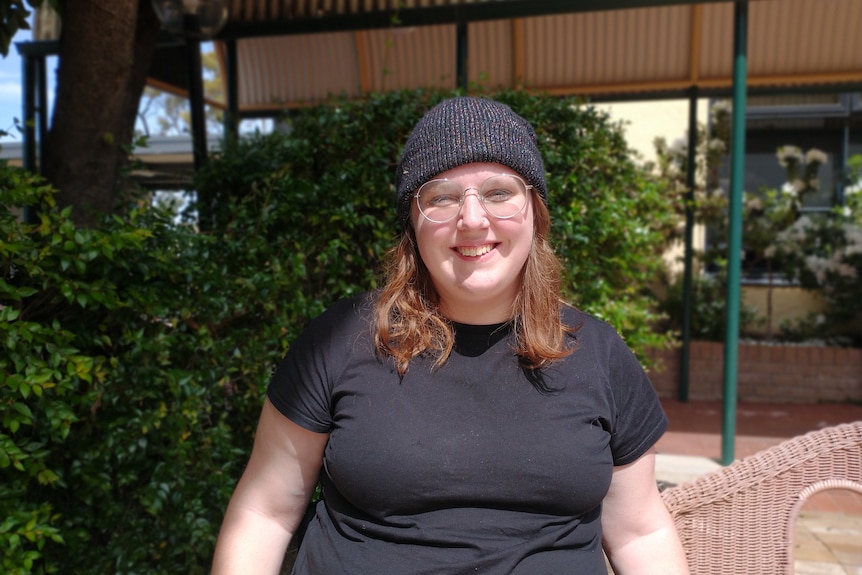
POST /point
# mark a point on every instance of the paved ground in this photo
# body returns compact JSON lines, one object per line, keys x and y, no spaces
{"x":828,"y":538}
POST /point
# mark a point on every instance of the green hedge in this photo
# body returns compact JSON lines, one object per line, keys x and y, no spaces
{"x":136,"y":355}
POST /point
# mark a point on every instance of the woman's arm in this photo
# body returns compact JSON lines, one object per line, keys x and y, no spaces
{"x":271,"y":497}
{"x":639,"y":534}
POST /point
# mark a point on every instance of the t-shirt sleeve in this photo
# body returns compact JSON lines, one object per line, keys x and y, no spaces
{"x":639,"y":420}
{"x":301,"y":387}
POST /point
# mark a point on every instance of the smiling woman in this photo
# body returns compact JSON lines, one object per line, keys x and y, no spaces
{"x":461,"y":419}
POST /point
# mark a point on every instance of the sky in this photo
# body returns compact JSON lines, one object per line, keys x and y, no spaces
{"x":11,"y":105}
{"x":10,"y":89}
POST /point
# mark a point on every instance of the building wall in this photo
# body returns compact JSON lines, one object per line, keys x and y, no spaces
{"x":643,"y":122}
{"x":768,"y":373}
{"x":788,"y":303}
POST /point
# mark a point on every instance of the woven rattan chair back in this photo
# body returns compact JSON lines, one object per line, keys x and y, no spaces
{"x":739,"y":520}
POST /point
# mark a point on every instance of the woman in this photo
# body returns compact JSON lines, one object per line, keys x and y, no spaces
{"x":462,"y":419}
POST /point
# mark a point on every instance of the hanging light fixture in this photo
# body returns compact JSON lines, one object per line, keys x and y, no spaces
{"x":199,"y":18}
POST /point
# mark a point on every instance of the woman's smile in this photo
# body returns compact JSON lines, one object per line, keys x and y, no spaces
{"x":475,"y":251}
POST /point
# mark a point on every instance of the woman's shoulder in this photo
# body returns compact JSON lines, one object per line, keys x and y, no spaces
{"x":349,"y":311}
{"x":580,"y":320}
{"x":589,"y":330}
{"x":360,"y":303}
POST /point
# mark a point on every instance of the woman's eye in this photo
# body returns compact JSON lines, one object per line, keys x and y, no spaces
{"x":499,"y":195}
{"x":443,"y":200}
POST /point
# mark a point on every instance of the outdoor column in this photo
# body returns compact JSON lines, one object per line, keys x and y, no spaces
{"x":688,"y":255}
{"x":461,"y":51}
{"x":734,"y":240}
{"x":231,"y":113}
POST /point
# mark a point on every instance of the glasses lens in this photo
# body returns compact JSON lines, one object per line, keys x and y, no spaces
{"x":503,"y":196}
{"x":439,"y":200}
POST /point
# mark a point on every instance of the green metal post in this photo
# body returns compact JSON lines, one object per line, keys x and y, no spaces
{"x":231,"y":113}
{"x":461,"y":50}
{"x":685,"y":353}
{"x":734,"y":240}
{"x":35,"y":120}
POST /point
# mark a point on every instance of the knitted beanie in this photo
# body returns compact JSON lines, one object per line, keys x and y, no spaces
{"x":466,"y":130}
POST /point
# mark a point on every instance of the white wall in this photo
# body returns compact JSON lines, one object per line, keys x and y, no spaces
{"x":642,"y":123}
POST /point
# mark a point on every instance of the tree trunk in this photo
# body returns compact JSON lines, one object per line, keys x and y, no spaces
{"x":105,"y":51}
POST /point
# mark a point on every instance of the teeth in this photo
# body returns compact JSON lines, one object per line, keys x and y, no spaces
{"x":474,"y":251}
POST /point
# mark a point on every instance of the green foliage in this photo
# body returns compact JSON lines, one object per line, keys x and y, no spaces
{"x":13,"y":17}
{"x":125,"y":410}
{"x":708,"y":305}
{"x":136,"y":354}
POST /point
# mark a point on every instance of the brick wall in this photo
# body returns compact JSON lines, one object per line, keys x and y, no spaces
{"x":774,"y":373}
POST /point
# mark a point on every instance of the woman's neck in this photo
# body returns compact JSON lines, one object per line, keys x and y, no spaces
{"x":487,"y":314}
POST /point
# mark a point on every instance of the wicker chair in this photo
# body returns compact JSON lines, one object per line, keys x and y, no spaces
{"x":740,"y":519}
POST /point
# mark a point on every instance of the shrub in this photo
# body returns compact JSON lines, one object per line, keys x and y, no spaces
{"x":116,"y":421}
{"x":137,"y":354}
{"x":337,"y":167}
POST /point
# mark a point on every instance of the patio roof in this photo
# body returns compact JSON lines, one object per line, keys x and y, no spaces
{"x":293,"y":53}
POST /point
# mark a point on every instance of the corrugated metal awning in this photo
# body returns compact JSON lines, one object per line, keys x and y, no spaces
{"x":294,"y":53}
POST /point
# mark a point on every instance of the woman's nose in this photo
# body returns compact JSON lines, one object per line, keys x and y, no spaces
{"x":472,"y":213}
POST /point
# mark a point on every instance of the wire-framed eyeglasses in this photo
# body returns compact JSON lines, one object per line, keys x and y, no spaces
{"x":502,"y":196}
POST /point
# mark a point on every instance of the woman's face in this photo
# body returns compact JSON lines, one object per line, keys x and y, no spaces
{"x":475,"y":260}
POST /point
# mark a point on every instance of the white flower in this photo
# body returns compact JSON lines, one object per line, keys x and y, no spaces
{"x":754,"y":204}
{"x":817,"y":266}
{"x":847,"y":271}
{"x":793,"y":188}
{"x":678,"y":148}
{"x":722,"y":106}
{"x":717,"y":145}
{"x":853,"y":234}
{"x":815,"y":155}
{"x":769,"y":252}
{"x":788,"y":154}
{"x":853,"y":190}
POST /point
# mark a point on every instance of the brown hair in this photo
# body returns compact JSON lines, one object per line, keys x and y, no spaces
{"x":408,"y":321}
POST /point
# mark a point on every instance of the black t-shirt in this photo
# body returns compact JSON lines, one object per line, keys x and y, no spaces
{"x":470,"y":467}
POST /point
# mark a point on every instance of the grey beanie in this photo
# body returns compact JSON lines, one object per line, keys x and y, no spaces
{"x":466,"y":130}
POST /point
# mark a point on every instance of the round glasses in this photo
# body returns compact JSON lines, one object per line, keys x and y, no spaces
{"x":502,"y":196}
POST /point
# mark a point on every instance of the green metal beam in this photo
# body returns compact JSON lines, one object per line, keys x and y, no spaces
{"x":431,"y":15}
{"x":679,"y":94}
{"x":734,"y":240}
